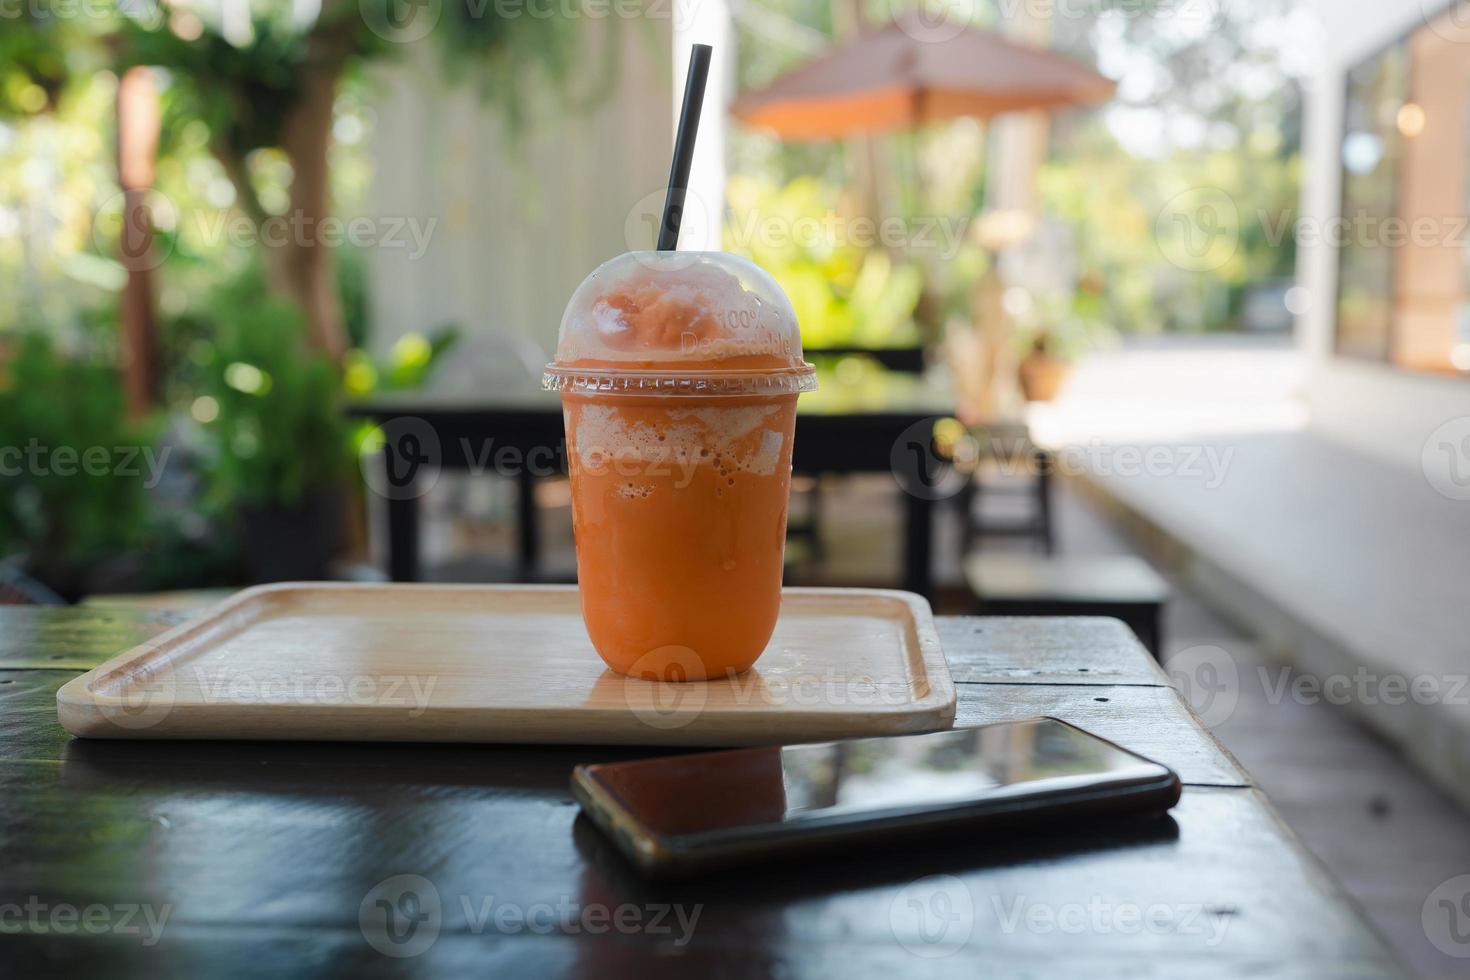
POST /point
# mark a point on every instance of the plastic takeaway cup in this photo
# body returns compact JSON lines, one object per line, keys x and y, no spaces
{"x":679,"y":373}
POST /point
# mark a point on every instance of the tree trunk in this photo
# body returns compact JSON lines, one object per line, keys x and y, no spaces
{"x":138,"y":123}
{"x":303,"y":264}
{"x":298,"y":264}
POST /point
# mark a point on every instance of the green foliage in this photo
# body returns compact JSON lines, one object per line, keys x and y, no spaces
{"x":1129,"y":278}
{"x":241,"y":82}
{"x":276,"y":416}
{"x":1068,"y":323}
{"x":353,"y":292}
{"x":272,"y":410}
{"x":41,"y":53}
{"x":407,"y":365}
{"x":1211,"y":101}
{"x":844,"y":294}
{"x":226,"y":95}
{"x":71,"y":468}
{"x":240,"y":91}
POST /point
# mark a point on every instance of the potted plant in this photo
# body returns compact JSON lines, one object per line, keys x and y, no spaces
{"x":280,"y":445}
{"x":1061,"y":331}
{"x":1042,"y":372}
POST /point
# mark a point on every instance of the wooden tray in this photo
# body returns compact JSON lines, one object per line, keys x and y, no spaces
{"x":478,"y":663}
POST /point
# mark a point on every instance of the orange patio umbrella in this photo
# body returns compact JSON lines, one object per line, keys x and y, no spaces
{"x":911,"y":72}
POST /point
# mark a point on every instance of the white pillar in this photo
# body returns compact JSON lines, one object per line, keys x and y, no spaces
{"x":1018,"y":141}
{"x":705,"y":22}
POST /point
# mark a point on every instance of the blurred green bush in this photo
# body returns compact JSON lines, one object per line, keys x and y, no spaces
{"x":272,"y":408}
{"x":71,"y":467}
{"x":845,"y":294}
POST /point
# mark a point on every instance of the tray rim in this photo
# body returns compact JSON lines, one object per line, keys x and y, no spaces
{"x":83,"y":710}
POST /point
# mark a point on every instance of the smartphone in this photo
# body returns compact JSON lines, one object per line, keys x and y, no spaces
{"x":688,"y":813}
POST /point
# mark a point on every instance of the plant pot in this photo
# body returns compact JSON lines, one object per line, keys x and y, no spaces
{"x":1042,"y":376}
{"x":292,"y":542}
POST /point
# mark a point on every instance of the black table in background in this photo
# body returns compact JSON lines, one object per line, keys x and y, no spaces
{"x":268,"y":856}
{"x":853,"y":426}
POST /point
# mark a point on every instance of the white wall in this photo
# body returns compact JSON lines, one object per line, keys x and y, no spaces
{"x":1379,"y":409}
{"x":517,"y":228}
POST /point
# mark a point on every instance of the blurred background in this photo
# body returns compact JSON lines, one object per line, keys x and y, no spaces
{"x":1145,"y":308}
{"x":205,"y":206}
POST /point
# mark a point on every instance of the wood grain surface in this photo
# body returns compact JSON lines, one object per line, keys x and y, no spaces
{"x":1030,"y":650}
{"x":483,"y":663}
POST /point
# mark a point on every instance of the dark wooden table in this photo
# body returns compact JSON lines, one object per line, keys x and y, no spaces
{"x":267,"y":859}
{"x":852,"y":426}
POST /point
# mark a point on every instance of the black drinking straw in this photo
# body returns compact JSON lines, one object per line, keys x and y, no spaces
{"x":668,"y":232}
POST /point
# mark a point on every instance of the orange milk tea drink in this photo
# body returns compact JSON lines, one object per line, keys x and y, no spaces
{"x":679,"y":373}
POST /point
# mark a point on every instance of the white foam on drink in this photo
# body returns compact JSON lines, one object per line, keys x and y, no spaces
{"x":712,"y":436}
